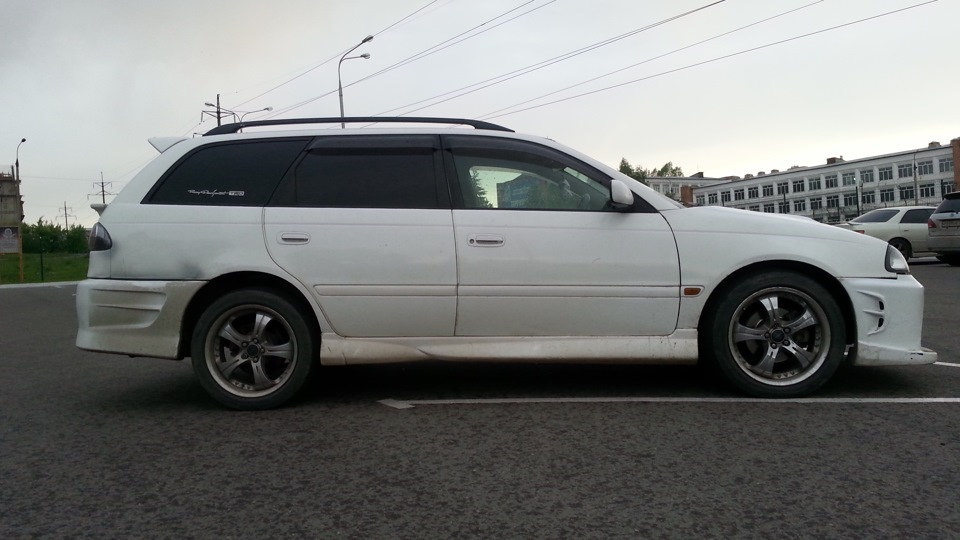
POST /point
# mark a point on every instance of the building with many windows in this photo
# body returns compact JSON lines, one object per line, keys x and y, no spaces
{"x":841,"y":190}
{"x":680,"y":187}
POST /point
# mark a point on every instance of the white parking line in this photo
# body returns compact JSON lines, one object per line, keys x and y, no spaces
{"x":946,"y":364}
{"x":409,"y":404}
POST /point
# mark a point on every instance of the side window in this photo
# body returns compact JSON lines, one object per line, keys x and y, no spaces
{"x":526,"y":177}
{"x":367,"y":174}
{"x":228,"y":174}
{"x":919,"y":215}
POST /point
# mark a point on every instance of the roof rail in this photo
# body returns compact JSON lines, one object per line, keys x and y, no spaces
{"x":477,"y":124}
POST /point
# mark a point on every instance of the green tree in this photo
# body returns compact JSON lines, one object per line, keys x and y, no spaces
{"x":479,"y":191}
{"x":641,"y":174}
{"x":49,"y":238}
{"x":668,"y":169}
{"x":637,"y":173}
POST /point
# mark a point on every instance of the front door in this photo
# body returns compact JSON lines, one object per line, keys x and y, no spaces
{"x":541,"y":251}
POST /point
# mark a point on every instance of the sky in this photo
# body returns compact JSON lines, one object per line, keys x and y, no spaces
{"x":721,"y":88}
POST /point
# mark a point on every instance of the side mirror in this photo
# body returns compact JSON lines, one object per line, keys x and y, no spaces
{"x":620,"y":195}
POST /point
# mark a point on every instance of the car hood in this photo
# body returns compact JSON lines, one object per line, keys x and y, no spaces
{"x":719,"y":219}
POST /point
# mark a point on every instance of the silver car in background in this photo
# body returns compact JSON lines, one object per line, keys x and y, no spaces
{"x":943,"y":229}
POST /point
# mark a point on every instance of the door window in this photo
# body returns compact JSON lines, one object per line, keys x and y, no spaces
{"x":917,"y":215}
{"x":525,"y":177}
{"x":366,"y":172}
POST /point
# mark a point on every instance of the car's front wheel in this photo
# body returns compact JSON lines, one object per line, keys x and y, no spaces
{"x":252,"y":349}
{"x":776,"y":335}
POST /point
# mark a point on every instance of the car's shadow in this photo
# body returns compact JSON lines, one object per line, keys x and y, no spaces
{"x":439,"y":380}
{"x":352,"y":385}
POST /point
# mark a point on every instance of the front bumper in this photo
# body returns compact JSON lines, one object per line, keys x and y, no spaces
{"x":889,"y":319}
{"x":138,"y":318}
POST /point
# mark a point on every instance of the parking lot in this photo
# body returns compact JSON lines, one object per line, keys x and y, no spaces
{"x":107,"y":446}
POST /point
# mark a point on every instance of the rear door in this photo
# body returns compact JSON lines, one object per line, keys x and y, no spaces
{"x":913,"y":227}
{"x":364,"y":222}
{"x":541,"y":252}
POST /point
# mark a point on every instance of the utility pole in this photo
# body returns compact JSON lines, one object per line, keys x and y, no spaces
{"x":66,"y":215}
{"x":219,"y":113}
{"x":103,"y":190}
{"x":916,"y":187}
{"x":859,"y":189}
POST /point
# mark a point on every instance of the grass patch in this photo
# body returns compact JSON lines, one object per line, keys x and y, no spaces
{"x":56,"y":267}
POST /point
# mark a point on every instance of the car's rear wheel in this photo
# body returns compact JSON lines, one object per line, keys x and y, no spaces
{"x":903,"y":246}
{"x":776,"y":335}
{"x":252,"y":349}
{"x":952,"y":260}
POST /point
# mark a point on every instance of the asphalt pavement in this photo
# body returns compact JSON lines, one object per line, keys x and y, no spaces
{"x":104,"y":446}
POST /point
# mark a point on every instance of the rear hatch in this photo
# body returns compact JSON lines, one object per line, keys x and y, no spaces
{"x":945,"y":220}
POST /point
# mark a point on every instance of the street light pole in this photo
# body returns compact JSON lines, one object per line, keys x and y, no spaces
{"x":251,"y":112}
{"x":17,"y":164}
{"x":20,"y":208}
{"x":340,"y":81}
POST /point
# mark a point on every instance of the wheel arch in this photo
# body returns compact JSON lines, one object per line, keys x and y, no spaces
{"x":234,"y":281}
{"x":822,"y":277}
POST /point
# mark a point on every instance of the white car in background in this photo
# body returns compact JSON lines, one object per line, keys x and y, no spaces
{"x":265,"y":255}
{"x":903,"y":227}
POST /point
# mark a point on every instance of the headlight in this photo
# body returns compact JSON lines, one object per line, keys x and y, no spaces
{"x":895,"y":261}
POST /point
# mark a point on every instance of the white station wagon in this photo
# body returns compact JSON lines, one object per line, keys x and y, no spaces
{"x":263,"y":255}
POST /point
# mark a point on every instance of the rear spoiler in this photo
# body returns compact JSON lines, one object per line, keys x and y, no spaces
{"x":163,"y":143}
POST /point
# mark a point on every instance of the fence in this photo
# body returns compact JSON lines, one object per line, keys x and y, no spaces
{"x":40,"y":267}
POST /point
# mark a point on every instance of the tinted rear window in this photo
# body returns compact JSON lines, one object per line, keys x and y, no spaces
{"x":949,"y":205}
{"x":229,"y":174}
{"x":875,"y":216}
{"x":366,"y":172}
{"x":918,"y":215}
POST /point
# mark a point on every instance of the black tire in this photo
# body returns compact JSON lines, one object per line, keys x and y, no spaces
{"x":952,"y":260}
{"x":252,"y":349}
{"x":776,"y":335}
{"x":903,"y":246}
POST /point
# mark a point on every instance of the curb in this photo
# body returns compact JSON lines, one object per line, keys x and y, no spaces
{"x":57,"y":284}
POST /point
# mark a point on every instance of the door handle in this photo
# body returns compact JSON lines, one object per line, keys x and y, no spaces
{"x":485,"y":240}
{"x":294,"y":238}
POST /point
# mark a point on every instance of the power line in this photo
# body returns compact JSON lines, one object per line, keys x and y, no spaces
{"x":407,"y":17}
{"x":288,"y":81}
{"x":710,"y":60}
{"x":446,"y":43}
{"x":648,"y":60}
{"x":545,"y":63}
{"x":424,"y":53}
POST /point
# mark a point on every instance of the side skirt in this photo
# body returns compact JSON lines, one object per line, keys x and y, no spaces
{"x":677,"y":348}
